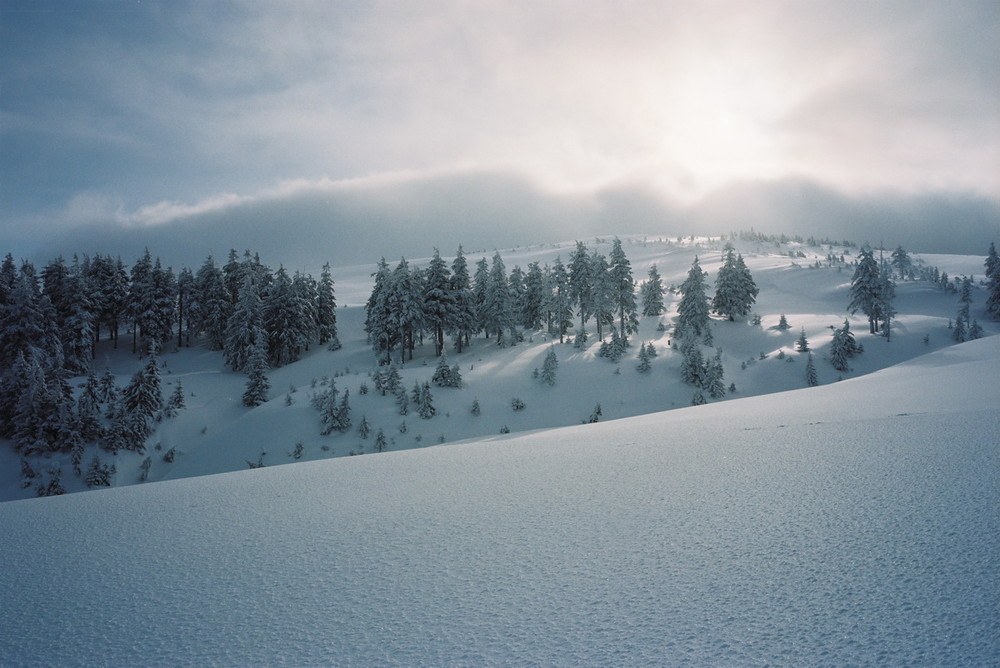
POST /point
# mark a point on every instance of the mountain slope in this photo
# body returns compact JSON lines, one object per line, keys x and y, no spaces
{"x":854,"y":523}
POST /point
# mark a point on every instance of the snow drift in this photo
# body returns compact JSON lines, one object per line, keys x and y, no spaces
{"x":853,"y":523}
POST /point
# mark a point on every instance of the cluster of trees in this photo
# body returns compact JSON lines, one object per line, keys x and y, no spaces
{"x":52,"y":320}
{"x":873,"y":291}
{"x":60,"y":312}
{"x":407,"y":304}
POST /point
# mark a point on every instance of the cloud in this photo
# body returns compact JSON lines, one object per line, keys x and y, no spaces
{"x":303,"y":224}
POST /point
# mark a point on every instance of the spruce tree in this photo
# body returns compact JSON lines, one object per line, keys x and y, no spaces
{"x":462,"y":320}
{"x":549,"y":366}
{"x":692,"y":363}
{"x":326,"y":307}
{"x":692,"y":310}
{"x":993,"y":281}
{"x":651,"y":293}
{"x":438,"y":300}
{"x":714,"y":377}
{"x":364,"y":429}
{"x":257,"y":383}
{"x":735,"y":290}
{"x":802,"y":343}
{"x":644,"y":365}
{"x":425,"y":405}
{"x":623,"y":290}
{"x":581,"y":286}
{"x":380,"y":441}
{"x":865,"y":289}
{"x":245,"y":327}
{"x":558,"y":304}
{"x":811,"y":378}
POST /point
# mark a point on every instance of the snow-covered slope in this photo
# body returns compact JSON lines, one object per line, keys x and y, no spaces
{"x":216,"y":433}
{"x":851,"y":524}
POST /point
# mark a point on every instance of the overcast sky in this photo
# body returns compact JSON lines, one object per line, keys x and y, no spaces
{"x":462,"y":121}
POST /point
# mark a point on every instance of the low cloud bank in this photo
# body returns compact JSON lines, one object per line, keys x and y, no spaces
{"x":358,"y":222}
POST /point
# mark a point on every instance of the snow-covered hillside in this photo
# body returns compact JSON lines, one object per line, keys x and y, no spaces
{"x":216,"y":433}
{"x":856,"y":523}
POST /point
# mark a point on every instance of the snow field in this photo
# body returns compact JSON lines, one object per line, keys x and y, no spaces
{"x":854,"y":523}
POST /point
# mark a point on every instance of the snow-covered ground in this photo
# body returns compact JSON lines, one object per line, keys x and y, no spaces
{"x":856,"y":523}
{"x":215,"y":433}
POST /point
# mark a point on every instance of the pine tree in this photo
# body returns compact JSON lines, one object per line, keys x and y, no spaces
{"x":257,"y":383}
{"x":549,"y":366}
{"x":402,"y":400}
{"x":714,"y":376}
{"x":644,"y":365}
{"x":604,"y":303}
{"x":735,"y":290}
{"x":595,"y":415}
{"x":438,"y":300}
{"x":993,"y":282}
{"x":532,"y":307}
{"x":802,"y":343}
{"x":698,"y":399}
{"x":692,"y":363}
{"x":975,"y":331}
{"x":383,"y":335}
{"x":495,"y":310}
{"x":692,"y":310}
{"x":902,"y":263}
{"x":98,"y":474}
{"x":811,"y":379}
{"x":326,"y":307}
{"x":783,"y":322}
{"x":176,"y":401}
{"x":210,"y":306}
{"x":843,"y":347}
{"x":380,"y":441}
{"x":425,"y":405}
{"x":245,"y":328}
{"x":865,"y":288}
{"x":959,"y":333}
{"x":462,"y":320}
{"x":445,"y":376}
{"x":364,"y":429}
{"x":581,"y":286}
{"x":623,"y":290}
{"x":475,"y":410}
{"x":558,"y":303}
{"x":651,"y":293}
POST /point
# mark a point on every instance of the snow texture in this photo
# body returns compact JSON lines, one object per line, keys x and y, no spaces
{"x":849,"y":524}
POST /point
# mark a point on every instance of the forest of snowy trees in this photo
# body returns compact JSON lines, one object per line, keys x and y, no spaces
{"x":52,"y":321}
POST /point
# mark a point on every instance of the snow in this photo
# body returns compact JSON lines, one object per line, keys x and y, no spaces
{"x":215,"y":433}
{"x":854,"y":523}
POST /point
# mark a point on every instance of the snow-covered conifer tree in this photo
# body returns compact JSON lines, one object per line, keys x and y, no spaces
{"x":692,"y":309}
{"x":902,"y":263}
{"x":558,"y":304}
{"x":549,"y":366}
{"x":438,"y":300}
{"x":651,"y":293}
{"x":783,"y":322}
{"x":245,"y":328}
{"x":623,"y":290}
{"x":532,"y":307}
{"x":380,"y":441}
{"x":811,"y":379}
{"x":257,"y":383}
{"x":865,"y":289}
{"x":364,"y":429}
{"x":581,"y":285}
{"x":802,"y":343}
{"x":462,"y":320}
{"x":644,"y":364}
{"x":735,"y":290}
{"x":993,"y":281}
{"x":714,"y":377}
{"x":692,"y":363}
{"x":326,"y":307}
{"x":425,"y":405}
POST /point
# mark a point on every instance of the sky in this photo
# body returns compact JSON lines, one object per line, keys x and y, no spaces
{"x":382,"y":124}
